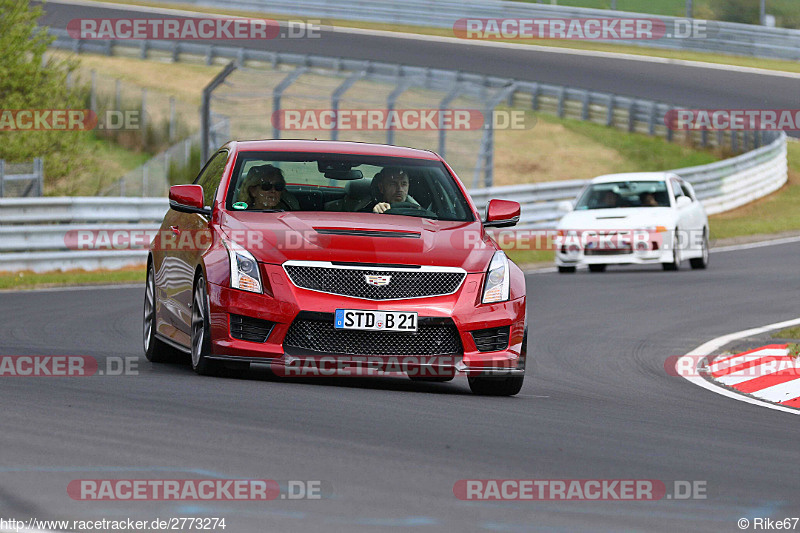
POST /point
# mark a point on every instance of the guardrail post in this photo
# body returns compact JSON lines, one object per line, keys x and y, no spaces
{"x":336,"y":97}
{"x":93,"y":92}
{"x":610,"y":110}
{"x":171,"y":119}
{"x":443,"y":105}
{"x":561,"y":96}
{"x":2,"y":177}
{"x":205,"y":109}
{"x":143,"y":50}
{"x":632,"y":116}
{"x":277,"y":93}
{"x":734,"y":141}
{"x":704,"y":138}
{"x":486,"y":156}
{"x":143,"y":116}
{"x":38,"y":169}
{"x":651,"y":122}
{"x":391,"y":100}
{"x":535,"y":97}
{"x":670,"y":132}
{"x":585,"y":106}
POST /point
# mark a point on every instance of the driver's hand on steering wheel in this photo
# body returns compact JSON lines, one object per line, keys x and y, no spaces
{"x":381,"y":207}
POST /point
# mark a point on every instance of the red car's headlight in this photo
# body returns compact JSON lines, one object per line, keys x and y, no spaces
{"x":498,"y":282}
{"x":244,"y":268}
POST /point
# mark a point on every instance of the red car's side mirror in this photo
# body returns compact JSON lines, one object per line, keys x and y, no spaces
{"x":187,"y":199}
{"x":501,"y":214}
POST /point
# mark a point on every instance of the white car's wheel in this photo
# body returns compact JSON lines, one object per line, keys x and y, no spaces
{"x":676,"y":258}
{"x":699,"y":263}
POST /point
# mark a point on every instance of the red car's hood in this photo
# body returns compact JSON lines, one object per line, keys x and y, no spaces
{"x":359,"y":237}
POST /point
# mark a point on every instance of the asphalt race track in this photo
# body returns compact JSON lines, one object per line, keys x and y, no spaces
{"x":671,"y":83}
{"x":597,"y":402}
{"x":597,"y":405}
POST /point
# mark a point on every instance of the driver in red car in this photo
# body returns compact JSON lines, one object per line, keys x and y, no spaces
{"x":393,"y":188}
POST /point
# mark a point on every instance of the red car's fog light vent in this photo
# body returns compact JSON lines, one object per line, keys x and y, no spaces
{"x":250,"y":329}
{"x":492,"y":339}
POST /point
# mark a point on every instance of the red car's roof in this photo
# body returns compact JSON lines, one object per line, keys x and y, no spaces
{"x":334,"y":147}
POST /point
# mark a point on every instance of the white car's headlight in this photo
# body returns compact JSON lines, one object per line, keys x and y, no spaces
{"x":498,"y":282}
{"x":244,"y":268}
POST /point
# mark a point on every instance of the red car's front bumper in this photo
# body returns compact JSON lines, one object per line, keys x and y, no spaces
{"x":283,"y":302}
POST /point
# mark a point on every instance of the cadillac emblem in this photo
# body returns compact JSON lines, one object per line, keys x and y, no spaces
{"x":378,"y":281}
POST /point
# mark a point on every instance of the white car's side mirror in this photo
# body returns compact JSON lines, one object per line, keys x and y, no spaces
{"x":683,"y":201}
{"x":565,"y":206}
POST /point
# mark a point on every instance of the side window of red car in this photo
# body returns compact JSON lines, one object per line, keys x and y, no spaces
{"x":211,"y":176}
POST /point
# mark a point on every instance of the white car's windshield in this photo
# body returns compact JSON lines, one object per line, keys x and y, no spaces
{"x":624,"y":194}
{"x":269,"y":181}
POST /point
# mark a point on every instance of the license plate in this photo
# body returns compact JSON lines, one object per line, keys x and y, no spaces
{"x":375,"y":320}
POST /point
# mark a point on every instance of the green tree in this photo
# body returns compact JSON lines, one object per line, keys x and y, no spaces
{"x":29,"y":80}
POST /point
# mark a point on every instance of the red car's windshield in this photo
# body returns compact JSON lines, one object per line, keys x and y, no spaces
{"x":270,"y":181}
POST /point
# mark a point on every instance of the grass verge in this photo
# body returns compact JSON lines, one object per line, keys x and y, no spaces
{"x":788,"y":333}
{"x":775,"y":213}
{"x":33,"y":280}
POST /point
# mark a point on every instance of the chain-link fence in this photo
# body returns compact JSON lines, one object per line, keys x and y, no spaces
{"x":18,"y":180}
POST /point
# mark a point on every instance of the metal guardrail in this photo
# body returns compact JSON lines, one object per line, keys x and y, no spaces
{"x":720,"y":186}
{"x":22,"y":184}
{"x":720,"y":37}
{"x":33,"y":232}
{"x":626,"y":113}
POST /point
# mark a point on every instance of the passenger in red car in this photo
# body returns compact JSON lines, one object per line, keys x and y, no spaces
{"x":264,"y":188}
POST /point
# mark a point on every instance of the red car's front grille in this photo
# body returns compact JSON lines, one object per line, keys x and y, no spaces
{"x":386,"y":284}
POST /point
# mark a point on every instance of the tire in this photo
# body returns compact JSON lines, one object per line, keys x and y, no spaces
{"x":566,"y":269}
{"x":492,"y":386}
{"x":155,"y":350}
{"x":201,"y":332}
{"x":676,"y":260}
{"x":597,"y":268}
{"x":700,"y":263}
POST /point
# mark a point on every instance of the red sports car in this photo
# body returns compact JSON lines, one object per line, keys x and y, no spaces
{"x":336,"y":258}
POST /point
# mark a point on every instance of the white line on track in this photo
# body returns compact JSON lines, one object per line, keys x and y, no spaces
{"x":709,"y":347}
{"x":456,"y":40}
{"x":133,"y":285}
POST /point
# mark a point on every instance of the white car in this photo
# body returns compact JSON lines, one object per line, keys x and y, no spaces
{"x":636,"y":218}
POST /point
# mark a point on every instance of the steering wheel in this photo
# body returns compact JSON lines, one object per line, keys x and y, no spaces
{"x":403,"y":205}
{"x":409,"y":208}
